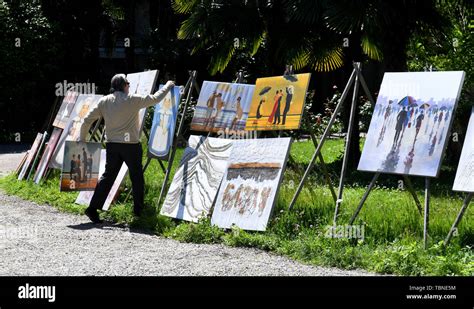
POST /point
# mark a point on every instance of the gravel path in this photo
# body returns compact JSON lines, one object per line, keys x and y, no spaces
{"x":39,"y":240}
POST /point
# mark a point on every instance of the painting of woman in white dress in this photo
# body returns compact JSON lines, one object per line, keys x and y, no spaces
{"x":164,"y":122}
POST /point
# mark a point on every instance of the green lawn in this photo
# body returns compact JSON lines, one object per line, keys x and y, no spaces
{"x":392,"y":226}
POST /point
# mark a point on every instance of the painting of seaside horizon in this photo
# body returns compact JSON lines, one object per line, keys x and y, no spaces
{"x":222,"y":106}
{"x":164,"y":123}
{"x":464,"y":180}
{"x":196,"y":181}
{"x":278,"y":102}
{"x":411,"y":122}
{"x":250,"y":185}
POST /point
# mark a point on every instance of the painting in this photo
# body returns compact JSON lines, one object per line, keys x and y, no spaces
{"x":464,"y":180}
{"x":164,"y":123}
{"x":85,"y":197}
{"x":411,"y":122}
{"x":31,"y":156}
{"x":278,"y":102}
{"x":48,"y":152}
{"x":222,"y":107}
{"x":84,"y":103}
{"x":67,"y":106}
{"x":81,"y":166}
{"x":250,"y":184}
{"x":196,"y":181}
{"x":142,"y":82}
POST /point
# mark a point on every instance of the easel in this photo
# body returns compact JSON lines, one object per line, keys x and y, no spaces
{"x":191,"y":85}
{"x":463,"y":209}
{"x":289,"y":71}
{"x":355,"y":78}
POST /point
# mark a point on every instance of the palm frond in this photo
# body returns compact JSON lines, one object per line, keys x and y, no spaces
{"x":370,"y":48}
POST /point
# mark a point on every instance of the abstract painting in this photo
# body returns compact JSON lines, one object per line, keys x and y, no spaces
{"x":250,"y":184}
{"x":164,"y":123}
{"x":278,"y":102}
{"x":222,"y":106}
{"x":85,"y":197}
{"x":411,"y":122}
{"x":48,"y":152}
{"x":464,"y":180}
{"x":31,"y":156}
{"x":81,"y":166}
{"x":84,"y":103}
{"x":62,"y":117}
{"x":196,"y":181}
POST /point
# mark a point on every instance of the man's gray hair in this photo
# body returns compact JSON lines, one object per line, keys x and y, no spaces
{"x":118,"y":83}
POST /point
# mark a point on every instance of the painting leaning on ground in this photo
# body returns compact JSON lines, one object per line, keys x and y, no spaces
{"x":81,"y":166}
{"x":197,"y":179}
{"x":250,"y":185}
{"x":464,"y":180}
{"x":411,"y":122}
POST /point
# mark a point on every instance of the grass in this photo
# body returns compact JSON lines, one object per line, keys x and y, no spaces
{"x":392,"y":242}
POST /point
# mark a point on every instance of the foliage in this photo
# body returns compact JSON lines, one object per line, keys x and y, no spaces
{"x":392,"y":241}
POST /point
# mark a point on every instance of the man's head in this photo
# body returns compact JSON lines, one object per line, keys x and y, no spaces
{"x":119,"y":83}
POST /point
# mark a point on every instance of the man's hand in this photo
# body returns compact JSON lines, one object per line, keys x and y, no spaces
{"x":170,"y":83}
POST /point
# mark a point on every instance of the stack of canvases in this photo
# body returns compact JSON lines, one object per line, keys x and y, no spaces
{"x":240,"y":178}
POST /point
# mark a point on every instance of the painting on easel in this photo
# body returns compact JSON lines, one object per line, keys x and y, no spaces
{"x":411,"y":123}
{"x":277,"y":103}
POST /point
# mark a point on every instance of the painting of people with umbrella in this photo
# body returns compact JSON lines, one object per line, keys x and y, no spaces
{"x":410,"y":137}
{"x":277,"y":103}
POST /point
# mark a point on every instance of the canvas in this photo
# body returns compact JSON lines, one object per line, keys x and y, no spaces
{"x":48,"y":152}
{"x":278,"y":102}
{"x":31,"y":156}
{"x":81,"y":166}
{"x":410,"y":123}
{"x":250,"y":184}
{"x":85,"y":197}
{"x":84,"y":103}
{"x":67,"y":106}
{"x":464,"y":180}
{"x":222,"y":106}
{"x":196,"y":181}
{"x":164,"y":123}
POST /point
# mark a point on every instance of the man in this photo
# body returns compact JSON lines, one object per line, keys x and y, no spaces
{"x":84,"y":164}
{"x":401,"y":118}
{"x":89,"y":166}
{"x":289,"y":98}
{"x":210,"y":108}
{"x":72,"y":171}
{"x":120,"y":111}
{"x":239,"y":112}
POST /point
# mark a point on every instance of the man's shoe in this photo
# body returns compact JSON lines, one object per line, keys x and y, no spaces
{"x":138,"y":212}
{"x":93,"y":215}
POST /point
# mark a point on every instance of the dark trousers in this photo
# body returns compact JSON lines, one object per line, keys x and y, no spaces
{"x":117,"y":153}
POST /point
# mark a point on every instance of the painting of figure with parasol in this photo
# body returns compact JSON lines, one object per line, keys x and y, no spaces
{"x":277,"y":103}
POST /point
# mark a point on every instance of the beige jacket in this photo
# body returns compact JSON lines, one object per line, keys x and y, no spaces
{"x":120,"y":112}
